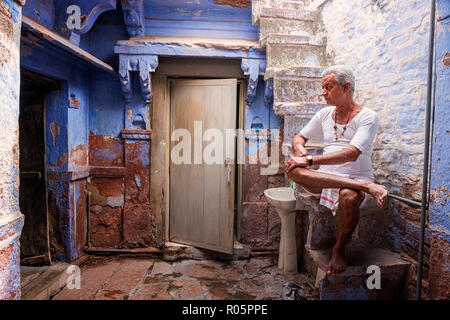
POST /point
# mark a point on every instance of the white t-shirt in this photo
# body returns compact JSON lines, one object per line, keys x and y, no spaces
{"x":360,"y":133}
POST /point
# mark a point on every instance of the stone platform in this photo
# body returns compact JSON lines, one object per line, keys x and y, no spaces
{"x":352,"y":283}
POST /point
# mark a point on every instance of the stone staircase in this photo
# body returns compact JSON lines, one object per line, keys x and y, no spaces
{"x":296,"y":57}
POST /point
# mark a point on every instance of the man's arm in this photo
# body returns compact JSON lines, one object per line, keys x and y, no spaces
{"x":348,"y":154}
{"x":298,"y":143}
{"x":312,"y":129}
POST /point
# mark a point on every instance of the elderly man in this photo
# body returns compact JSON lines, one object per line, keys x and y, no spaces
{"x":345,"y":173}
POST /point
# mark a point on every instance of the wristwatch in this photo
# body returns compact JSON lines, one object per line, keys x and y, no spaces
{"x":310,"y":162}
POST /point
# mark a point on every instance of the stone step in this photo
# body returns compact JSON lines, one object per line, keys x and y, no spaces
{"x":285,"y":51}
{"x":298,"y":89}
{"x":298,"y":84}
{"x":296,"y":118}
{"x":303,"y":108}
{"x":285,"y":4}
{"x":287,"y":8}
{"x":352,"y":284}
{"x":274,"y":26}
{"x":289,"y":14}
{"x":292,"y":72}
{"x":292,"y":40}
{"x":290,"y":4}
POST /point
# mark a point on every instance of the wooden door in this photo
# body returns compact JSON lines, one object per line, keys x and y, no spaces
{"x":202,"y":194}
{"x":34,"y":241}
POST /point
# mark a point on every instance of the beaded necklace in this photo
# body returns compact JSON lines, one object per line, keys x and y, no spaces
{"x":335,"y":125}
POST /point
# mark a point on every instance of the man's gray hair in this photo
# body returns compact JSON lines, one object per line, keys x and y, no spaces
{"x":343,"y":74}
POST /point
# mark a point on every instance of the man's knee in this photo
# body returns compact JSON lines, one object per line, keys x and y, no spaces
{"x":349,"y":198}
{"x":297,"y":174}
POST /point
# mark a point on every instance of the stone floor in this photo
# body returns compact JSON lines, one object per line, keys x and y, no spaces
{"x":139,"y":278}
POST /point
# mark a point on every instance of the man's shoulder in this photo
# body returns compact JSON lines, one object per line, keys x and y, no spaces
{"x":368,"y":115}
{"x":324,"y":111}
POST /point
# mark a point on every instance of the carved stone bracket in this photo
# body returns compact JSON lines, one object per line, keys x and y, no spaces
{"x":93,"y":10}
{"x":133,"y":14}
{"x":144,"y":64}
{"x":254,"y":68}
{"x":268,"y":93}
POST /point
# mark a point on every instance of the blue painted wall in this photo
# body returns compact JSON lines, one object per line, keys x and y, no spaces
{"x":107,"y":106}
{"x":57,"y":144}
{"x":101,"y":94}
{"x":264,"y":112}
{"x":259,"y":116}
{"x":55,"y":64}
{"x":100,"y":112}
{"x":78,"y":118}
{"x":42,"y":11}
{"x":198,"y":18}
{"x":101,"y":39}
{"x":440,"y":162}
{"x":67,"y":128}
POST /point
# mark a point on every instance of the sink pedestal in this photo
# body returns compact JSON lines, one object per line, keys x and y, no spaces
{"x":287,"y":259}
{"x":286,"y":204}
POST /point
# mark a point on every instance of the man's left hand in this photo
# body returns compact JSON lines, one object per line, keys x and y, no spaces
{"x":295,"y":162}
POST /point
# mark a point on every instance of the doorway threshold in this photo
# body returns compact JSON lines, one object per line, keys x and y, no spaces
{"x":135,"y":251}
{"x":176,"y":251}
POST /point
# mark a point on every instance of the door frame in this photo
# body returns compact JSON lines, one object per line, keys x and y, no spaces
{"x":47,"y":259}
{"x":240,"y":152}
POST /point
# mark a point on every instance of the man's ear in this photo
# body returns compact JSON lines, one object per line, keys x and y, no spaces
{"x":347,"y":87}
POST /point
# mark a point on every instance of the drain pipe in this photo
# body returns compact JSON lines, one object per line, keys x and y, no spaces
{"x":427,"y":150}
{"x":88,"y":219}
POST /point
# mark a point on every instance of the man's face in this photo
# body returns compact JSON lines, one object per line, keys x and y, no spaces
{"x":331,"y":90}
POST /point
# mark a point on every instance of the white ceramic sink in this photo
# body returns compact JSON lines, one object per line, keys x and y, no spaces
{"x":282,"y":198}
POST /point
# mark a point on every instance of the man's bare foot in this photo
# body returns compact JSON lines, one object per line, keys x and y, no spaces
{"x":337,"y":264}
{"x":378,"y":192}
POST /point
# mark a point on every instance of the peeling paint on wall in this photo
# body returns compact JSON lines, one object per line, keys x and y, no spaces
{"x":79,"y":156}
{"x":107,"y":199}
{"x":55,"y":130}
{"x":235,"y":3}
{"x":11,"y":220}
{"x":105,"y":151}
{"x":6,"y":33}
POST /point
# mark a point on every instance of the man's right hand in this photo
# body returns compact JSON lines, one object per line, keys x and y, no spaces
{"x":296,"y":162}
{"x":300,"y":151}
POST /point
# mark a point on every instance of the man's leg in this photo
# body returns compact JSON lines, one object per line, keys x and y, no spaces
{"x":347,"y":219}
{"x":314,"y":180}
